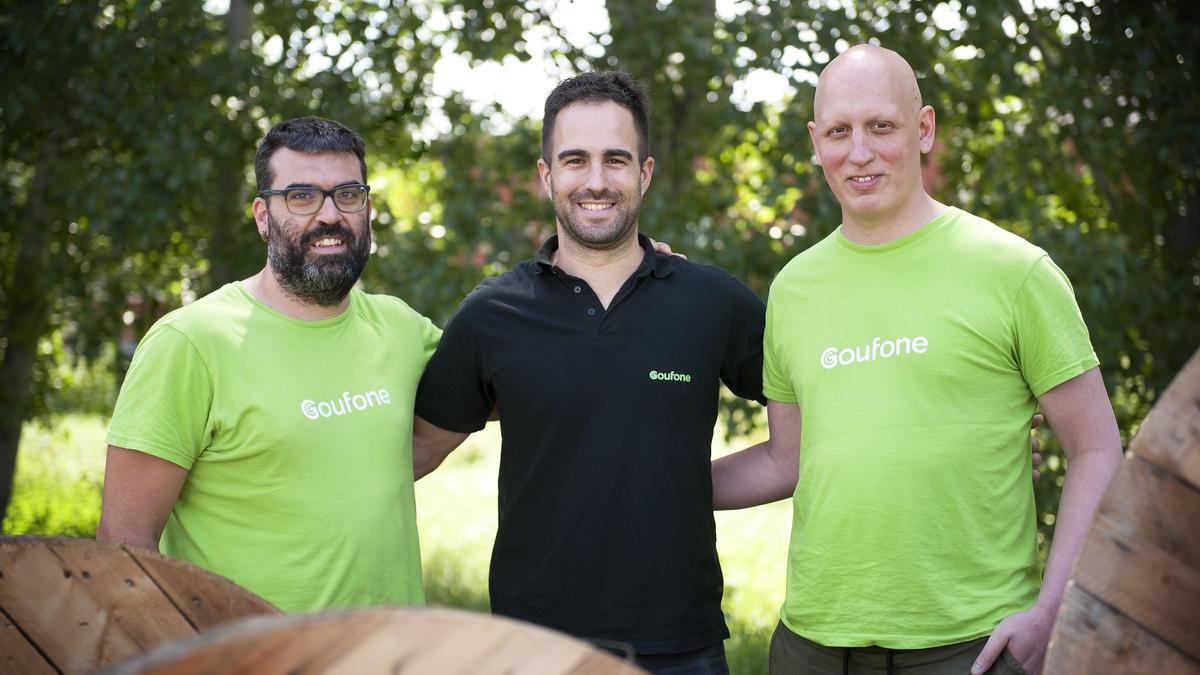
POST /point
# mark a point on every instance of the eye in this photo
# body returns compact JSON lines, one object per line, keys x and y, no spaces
{"x":839,"y":130}
{"x":881,"y":126}
{"x":347,"y":195}
{"x":616,"y":161}
{"x":301,"y":195}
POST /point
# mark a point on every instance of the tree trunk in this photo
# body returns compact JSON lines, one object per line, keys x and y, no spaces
{"x":225,"y":244}
{"x":25,"y":319}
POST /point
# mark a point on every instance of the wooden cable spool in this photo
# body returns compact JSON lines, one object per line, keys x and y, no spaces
{"x":383,"y":640}
{"x":1133,"y":603}
{"x":76,"y":605}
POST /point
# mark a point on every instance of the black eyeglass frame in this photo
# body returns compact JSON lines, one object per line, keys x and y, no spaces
{"x":325,"y":194}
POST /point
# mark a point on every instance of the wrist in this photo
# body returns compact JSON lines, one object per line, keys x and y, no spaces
{"x":1046,"y":609}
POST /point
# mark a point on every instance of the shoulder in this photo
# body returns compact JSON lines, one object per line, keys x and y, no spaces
{"x":510,"y":288}
{"x":389,"y":306}
{"x":210,"y":314}
{"x":695,"y":272}
{"x":983,"y":239}
{"x":810,"y":258}
{"x":706,"y":282}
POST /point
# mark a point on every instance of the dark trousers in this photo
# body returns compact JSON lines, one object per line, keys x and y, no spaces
{"x":704,"y":661}
{"x":794,"y":655}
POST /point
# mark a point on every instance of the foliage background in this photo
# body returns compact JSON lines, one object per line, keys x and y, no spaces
{"x":127,"y":130}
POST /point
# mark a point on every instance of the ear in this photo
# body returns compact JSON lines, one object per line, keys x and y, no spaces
{"x":544,"y":175}
{"x":259,"y":207}
{"x":647,"y":171}
{"x":926,"y":126}
{"x":812,"y":136}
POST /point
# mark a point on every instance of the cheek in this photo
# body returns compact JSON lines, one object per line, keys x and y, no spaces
{"x":832,"y":155}
{"x":897,"y":152}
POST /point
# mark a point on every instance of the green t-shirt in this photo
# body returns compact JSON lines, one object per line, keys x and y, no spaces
{"x":916,"y":365}
{"x":298,"y":440}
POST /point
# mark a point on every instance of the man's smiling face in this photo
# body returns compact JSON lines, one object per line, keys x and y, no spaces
{"x":869,"y":132}
{"x":316,"y":258}
{"x":593,"y":175}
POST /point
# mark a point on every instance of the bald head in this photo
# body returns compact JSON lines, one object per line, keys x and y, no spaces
{"x":868,"y":68}
{"x":869,"y":131}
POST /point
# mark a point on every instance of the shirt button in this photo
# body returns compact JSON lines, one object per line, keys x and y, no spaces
{"x":591,"y":311}
{"x":577,"y":289}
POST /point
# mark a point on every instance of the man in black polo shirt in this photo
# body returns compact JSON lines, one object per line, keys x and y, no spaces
{"x":605,"y":361}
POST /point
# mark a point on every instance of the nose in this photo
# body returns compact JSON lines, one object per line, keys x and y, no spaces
{"x":860,"y":149}
{"x":594,"y":181}
{"x":328,"y":212}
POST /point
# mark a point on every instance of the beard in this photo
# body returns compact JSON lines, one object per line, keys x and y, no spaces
{"x":603,"y":237}
{"x":322,"y":280}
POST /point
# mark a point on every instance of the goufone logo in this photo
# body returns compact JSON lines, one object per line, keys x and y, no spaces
{"x":348,"y":403}
{"x":877,"y":348}
{"x":672,"y":376}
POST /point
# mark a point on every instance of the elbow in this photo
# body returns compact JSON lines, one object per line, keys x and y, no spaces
{"x":104,"y":533}
{"x":111,"y":533}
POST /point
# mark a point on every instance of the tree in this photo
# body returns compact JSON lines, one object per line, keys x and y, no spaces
{"x":115,"y":119}
{"x":128,"y":134}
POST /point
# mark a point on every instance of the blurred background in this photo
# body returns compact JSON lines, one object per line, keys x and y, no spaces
{"x":128,"y":127}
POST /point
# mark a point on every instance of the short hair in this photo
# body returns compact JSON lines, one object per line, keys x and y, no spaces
{"x":594,"y":87}
{"x":310,"y":135}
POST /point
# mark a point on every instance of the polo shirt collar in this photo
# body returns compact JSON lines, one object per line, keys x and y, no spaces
{"x":652,"y":263}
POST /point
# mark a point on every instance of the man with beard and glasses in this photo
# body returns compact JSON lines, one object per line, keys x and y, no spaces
{"x":604,"y":360}
{"x":263,"y":431}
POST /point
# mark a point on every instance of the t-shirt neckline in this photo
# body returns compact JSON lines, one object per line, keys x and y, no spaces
{"x":305,"y":323}
{"x":907,"y":240}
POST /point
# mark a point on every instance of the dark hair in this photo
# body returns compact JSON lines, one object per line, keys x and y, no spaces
{"x":595,"y":87}
{"x":310,"y":135}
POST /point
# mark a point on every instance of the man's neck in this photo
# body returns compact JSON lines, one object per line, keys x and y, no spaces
{"x":605,"y":271}
{"x":866,"y":232}
{"x":268,"y":290}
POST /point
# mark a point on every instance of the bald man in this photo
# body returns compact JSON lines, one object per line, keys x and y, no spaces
{"x":912,"y":345}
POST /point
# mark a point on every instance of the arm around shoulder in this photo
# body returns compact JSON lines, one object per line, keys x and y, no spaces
{"x":431,"y":445}
{"x":765,"y":472}
{"x":139,"y":493}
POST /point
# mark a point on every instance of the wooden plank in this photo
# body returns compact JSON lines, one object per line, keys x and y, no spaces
{"x":381,"y":640}
{"x":84,"y":605}
{"x":1170,"y":436}
{"x":1093,"y":637}
{"x":1147,"y":502}
{"x":267,"y":645}
{"x":17,"y":655}
{"x":206,"y":599}
{"x":1125,"y":569}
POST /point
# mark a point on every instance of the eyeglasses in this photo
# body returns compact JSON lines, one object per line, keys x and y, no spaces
{"x":305,"y":201}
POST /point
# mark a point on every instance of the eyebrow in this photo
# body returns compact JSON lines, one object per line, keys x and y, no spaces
{"x":611,"y":152}
{"x":313,"y":185}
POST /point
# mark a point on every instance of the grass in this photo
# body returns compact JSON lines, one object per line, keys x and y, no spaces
{"x":59,"y":477}
{"x":60,"y":472}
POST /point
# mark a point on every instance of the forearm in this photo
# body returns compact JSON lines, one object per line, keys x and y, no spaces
{"x":431,"y":445}
{"x":139,"y":492}
{"x":751,"y":477}
{"x":1088,"y":475}
{"x":424,"y":463}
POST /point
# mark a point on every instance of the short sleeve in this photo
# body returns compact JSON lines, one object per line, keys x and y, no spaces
{"x":453,"y":393}
{"x":742,"y":370}
{"x":164,"y":405}
{"x":777,"y":383}
{"x":1052,"y":341}
{"x":430,"y":336}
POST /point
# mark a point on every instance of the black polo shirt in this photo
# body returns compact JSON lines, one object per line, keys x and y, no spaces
{"x":605,"y":516}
